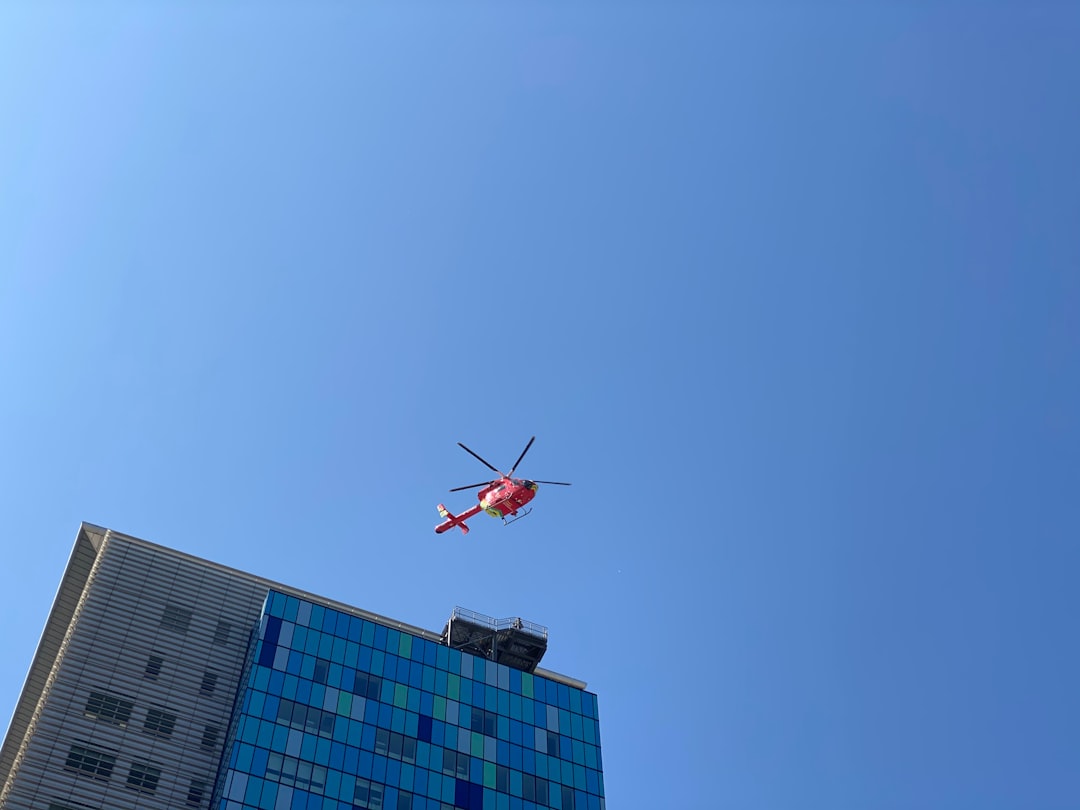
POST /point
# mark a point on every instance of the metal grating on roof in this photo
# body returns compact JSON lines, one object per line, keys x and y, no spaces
{"x":515,"y":642}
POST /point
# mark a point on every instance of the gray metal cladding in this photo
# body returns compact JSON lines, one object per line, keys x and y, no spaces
{"x":132,"y":680}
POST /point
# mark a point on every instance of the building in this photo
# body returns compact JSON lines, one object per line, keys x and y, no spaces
{"x":165,"y":681}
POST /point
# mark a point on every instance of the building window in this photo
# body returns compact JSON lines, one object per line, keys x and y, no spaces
{"x":307,"y":718}
{"x":483,"y":722}
{"x":153,"y":667}
{"x":159,"y":722}
{"x":221,"y":635}
{"x":209,"y":682}
{"x":71,"y":806}
{"x":196,"y":793}
{"x":455,"y":763}
{"x":176,"y":618}
{"x":368,"y":794}
{"x":293,"y":771}
{"x":110,"y":708}
{"x":97,"y":764}
{"x":397,"y":746}
{"x":143,"y":777}
{"x":210,"y":736}
{"x":382,"y":741}
{"x":368,"y":686}
{"x":534,"y":789}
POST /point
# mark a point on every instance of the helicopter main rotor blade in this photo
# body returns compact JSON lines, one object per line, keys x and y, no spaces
{"x":485,"y":463}
{"x":471,"y":486}
{"x":559,"y":483}
{"x":523,"y":452}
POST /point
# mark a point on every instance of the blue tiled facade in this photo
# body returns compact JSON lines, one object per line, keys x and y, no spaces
{"x":338,"y":712}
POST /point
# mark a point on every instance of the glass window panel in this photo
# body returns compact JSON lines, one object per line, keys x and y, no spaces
{"x":442,"y":657}
{"x":153,"y":667}
{"x":160,"y":722}
{"x":97,"y":764}
{"x":341,"y":625}
{"x":552,"y":718}
{"x":176,"y":618}
{"x":367,"y":634}
{"x":356,"y":628}
{"x":292,"y":606}
{"x":352,"y":654}
{"x":197,"y":791}
{"x":464,"y":740}
{"x":412,"y":721}
{"x":110,"y":708}
{"x":449,"y":761}
{"x":566,"y":750}
{"x":392,"y":640}
{"x":382,"y":741}
{"x":578,"y":748}
{"x":576,"y":730}
{"x":564,"y":722}
{"x":326,"y":723}
{"x":326,"y":646}
{"x":143,"y":777}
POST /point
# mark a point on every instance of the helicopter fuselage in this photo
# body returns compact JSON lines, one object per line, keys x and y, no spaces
{"x":505,"y":496}
{"x":501,"y":498}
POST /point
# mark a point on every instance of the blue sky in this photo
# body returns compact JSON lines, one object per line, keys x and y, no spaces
{"x":790,"y":293}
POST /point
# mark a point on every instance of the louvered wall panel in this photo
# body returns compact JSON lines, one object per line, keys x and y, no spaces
{"x":117,"y":628}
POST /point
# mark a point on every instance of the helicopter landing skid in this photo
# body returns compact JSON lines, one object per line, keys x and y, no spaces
{"x":524,"y":513}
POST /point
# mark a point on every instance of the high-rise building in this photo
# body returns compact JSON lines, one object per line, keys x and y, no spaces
{"x":165,"y":681}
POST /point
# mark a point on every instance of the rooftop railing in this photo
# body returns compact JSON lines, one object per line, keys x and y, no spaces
{"x":515,"y":623}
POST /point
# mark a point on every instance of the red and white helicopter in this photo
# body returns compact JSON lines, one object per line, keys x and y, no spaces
{"x":501,"y":498}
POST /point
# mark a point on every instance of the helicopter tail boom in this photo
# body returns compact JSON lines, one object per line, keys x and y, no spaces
{"x":452,"y":520}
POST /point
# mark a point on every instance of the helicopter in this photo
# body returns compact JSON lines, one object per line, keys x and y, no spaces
{"x":502,"y":497}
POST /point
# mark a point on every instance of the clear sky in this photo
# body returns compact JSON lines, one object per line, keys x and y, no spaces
{"x":790,"y":292}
